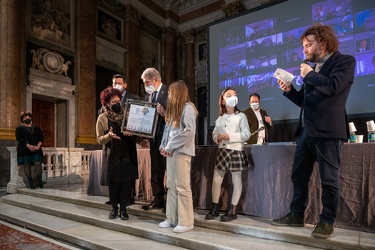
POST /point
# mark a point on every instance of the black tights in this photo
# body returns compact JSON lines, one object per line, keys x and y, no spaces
{"x":38,"y":172}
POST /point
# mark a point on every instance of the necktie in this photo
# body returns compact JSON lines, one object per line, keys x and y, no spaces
{"x":154,"y":96}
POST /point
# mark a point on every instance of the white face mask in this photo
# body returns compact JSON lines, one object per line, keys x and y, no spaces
{"x":232,"y":101}
{"x":150,"y":89}
{"x":255,"y":106}
{"x":119,"y":87}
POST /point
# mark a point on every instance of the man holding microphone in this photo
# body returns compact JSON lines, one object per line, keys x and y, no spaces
{"x":323,"y":125}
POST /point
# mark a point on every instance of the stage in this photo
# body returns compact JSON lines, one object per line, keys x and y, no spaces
{"x":267,"y":188}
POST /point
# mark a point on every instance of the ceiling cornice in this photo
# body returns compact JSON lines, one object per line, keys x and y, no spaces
{"x":189,"y":13}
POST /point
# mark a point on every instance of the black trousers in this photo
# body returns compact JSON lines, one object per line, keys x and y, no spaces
{"x":327,"y":152}
{"x":119,"y":185}
{"x":158,"y":164}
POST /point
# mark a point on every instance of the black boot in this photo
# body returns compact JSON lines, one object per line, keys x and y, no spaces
{"x":123,"y":214}
{"x":41,"y":183}
{"x":114,"y":212}
{"x":229,"y":215}
{"x":214,"y":212}
{"x":31,"y":184}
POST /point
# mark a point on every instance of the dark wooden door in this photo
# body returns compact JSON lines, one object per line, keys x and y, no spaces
{"x":44,"y":117}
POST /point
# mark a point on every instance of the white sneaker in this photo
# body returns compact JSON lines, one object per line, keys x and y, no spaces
{"x":166,"y":224}
{"x":182,"y":229}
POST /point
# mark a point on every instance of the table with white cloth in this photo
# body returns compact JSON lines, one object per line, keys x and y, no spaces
{"x":143,"y":191}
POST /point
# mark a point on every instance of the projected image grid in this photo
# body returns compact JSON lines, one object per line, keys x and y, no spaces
{"x":249,"y":55}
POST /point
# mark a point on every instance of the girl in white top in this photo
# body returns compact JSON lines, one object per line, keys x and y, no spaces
{"x":230,"y":132}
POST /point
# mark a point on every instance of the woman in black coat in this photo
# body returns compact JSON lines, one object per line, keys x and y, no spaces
{"x":29,"y":149}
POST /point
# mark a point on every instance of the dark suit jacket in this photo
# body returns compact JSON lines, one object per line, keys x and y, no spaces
{"x":252,"y":119}
{"x":128,"y":96}
{"x":162,"y":99}
{"x":325,"y":98}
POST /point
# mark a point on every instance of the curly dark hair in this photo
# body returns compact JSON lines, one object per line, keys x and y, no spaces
{"x":325,"y":35}
{"x":107,"y":94}
{"x":25,"y":113}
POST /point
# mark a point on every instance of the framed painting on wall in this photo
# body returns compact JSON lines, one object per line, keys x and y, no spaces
{"x":51,"y":21}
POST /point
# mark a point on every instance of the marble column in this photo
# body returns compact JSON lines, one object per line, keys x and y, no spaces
{"x":169,"y":62}
{"x":132,"y":43}
{"x":180,"y":64}
{"x":12,"y":66}
{"x":85,"y":72}
{"x":190,"y":62}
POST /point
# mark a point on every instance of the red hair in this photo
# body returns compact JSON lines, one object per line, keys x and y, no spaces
{"x":107,"y":94}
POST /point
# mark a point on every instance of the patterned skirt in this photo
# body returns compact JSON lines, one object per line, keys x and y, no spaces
{"x":229,"y":160}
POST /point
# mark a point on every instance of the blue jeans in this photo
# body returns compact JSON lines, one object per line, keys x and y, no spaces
{"x":326,"y":152}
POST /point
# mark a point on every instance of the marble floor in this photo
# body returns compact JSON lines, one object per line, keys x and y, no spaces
{"x":15,"y":237}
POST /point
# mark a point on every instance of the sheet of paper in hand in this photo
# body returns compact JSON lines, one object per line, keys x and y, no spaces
{"x":283,"y":75}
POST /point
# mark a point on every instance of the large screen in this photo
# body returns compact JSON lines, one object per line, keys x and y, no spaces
{"x":245,"y":51}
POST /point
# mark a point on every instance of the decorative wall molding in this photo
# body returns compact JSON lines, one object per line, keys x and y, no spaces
{"x":169,"y":34}
{"x":233,"y":8}
{"x":51,"y":21}
{"x":189,"y":36}
{"x":132,"y":14}
{"x":50,"y":61}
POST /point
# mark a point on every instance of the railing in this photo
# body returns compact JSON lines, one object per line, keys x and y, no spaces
{"x":60,"y":166}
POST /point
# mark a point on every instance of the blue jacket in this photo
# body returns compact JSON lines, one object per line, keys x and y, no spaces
{"x":323,"y":97}
{"x":181,"y":139}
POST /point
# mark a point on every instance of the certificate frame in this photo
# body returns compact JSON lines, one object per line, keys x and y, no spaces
{"x":140,"y":118}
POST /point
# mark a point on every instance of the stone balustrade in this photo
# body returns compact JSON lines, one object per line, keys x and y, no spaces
{"x":61,"y":166}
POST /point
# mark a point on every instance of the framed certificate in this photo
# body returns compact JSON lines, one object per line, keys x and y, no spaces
{"x":140,"y":118}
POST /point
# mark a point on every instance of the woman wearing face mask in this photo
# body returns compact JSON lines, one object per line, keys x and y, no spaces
{"x":119,"y":164}
{"x":29,"y":149}
{"x":230,"y":132}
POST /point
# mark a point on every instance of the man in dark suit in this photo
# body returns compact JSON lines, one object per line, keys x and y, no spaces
{"x":119,"y":82}
{"x":257,"y":118}
{"x":157,"y":92}
{"x":323,"y":125}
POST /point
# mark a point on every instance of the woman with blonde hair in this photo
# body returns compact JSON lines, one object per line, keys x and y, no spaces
{"x":178,"y":145}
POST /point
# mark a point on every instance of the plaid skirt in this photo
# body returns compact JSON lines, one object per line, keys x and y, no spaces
{"x":229,"y":160}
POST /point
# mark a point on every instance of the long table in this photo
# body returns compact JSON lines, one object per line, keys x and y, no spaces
{"x":267,"y":187}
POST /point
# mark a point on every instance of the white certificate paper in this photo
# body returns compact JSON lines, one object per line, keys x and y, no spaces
{"x":140,"y":119}
{"x":284,"y":75}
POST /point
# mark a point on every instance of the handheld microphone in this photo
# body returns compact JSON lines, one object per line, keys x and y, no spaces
{"x":257,"y":131}
{"x":306,"y":61}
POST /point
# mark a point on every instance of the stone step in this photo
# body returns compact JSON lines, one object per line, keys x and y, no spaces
{"x":243,"y":226}
{"x":79,"y":234}
{"x":90,"y":227}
